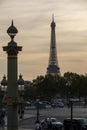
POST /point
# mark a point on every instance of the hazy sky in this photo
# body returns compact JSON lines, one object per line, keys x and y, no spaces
{"x":32,"y":19}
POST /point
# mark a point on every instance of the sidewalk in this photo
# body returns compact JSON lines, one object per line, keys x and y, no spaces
{"x":19,"y":129}
{"x":26,"y":116}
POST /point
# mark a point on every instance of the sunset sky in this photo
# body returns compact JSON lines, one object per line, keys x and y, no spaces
{"x":32,"y":19}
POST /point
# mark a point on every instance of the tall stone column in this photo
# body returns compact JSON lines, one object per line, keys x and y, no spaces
{"x":12,"y":99}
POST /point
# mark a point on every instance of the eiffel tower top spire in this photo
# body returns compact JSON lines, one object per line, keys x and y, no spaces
{"x":53,"y":17}
{"x":53,"y":68}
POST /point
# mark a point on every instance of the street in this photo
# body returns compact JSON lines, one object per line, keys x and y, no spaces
{"x":60,"y":113}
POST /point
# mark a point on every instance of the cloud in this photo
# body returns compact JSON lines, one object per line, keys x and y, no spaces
{"x":33,"y":18}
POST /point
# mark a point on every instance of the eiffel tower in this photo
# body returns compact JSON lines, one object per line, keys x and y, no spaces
{"x":53,"y":68}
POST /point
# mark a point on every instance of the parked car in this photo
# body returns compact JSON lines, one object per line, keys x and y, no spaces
{"x":53,"y":123}
{"x":59,"y":104}
{"x":76,"y":124}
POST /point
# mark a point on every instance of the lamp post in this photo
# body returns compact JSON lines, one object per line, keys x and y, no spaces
{"x":37,"y":107}
{"x":71,"y":103}
{"x":21,"y":89}
{"x":12,"y":100}
{"x":4,"y":88}
{"x":68,"y":84}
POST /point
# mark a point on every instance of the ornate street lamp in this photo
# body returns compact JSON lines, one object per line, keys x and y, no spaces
{"x":4,"y":84}
{"x":4,"y":88}
{"x":21,"y":91}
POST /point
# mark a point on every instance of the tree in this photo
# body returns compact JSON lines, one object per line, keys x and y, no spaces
{"x":47,"y":87}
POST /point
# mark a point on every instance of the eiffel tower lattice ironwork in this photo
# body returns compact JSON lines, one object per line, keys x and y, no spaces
{"x":53,"y":68}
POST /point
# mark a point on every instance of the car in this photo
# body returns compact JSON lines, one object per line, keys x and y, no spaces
{"x":76,"y":124}
{"x":52,"y":122}
{"x":59,"y":104}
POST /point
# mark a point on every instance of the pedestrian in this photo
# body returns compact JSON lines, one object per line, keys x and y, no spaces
{"x":37,"y":125}
{"x":21,"y":112}
{"x":2,"y":120}
{"x":50,"y":126}
{"x":2,"y":124}
{"x":2,"y":113}
{"x":45,"y":125}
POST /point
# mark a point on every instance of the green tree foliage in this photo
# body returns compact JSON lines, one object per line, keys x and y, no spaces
{"x":47,"y":87}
